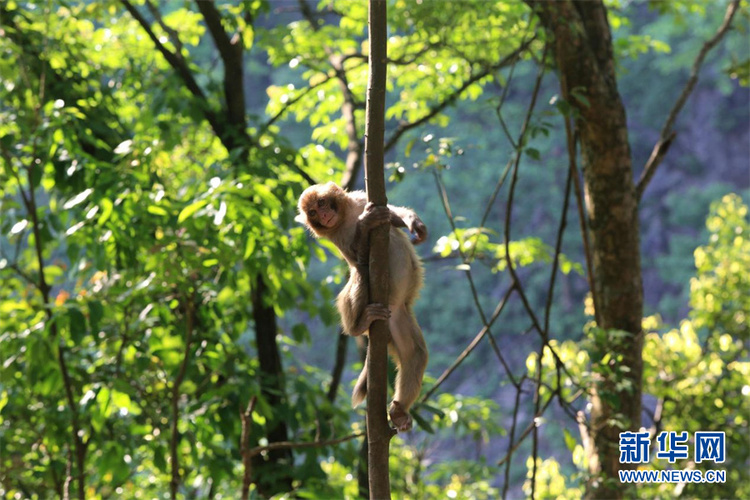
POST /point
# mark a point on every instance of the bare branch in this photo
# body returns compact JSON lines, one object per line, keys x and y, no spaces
{"x":667,"y":135}
{"x":470,"y":278}
{"x":516,"y":407}
{"x":526,"y":431}
{"x":472,"y":345}
{"x":291,"y":445}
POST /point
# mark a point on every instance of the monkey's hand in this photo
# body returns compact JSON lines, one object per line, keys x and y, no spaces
{"x":406,"y":217}
{"x":372,"y":312}
{"x":374,"y":216}
{"x":417,"y":229}
{"x":399,"y":417}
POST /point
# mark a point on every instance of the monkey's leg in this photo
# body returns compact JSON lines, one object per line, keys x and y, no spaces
{"x":411,"y":352}
{"x":356,"y":314}
{"x":356,"y":317}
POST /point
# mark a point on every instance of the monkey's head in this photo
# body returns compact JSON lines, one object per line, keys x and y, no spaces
{"x":321,"y":208}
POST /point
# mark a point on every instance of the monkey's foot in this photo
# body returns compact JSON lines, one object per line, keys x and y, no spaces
{"x":372,"y":312}
{"x":400,"y":418}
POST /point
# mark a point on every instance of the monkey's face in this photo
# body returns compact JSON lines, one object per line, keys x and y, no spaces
{"x":322,"y":207}
{"x":323,"y":212}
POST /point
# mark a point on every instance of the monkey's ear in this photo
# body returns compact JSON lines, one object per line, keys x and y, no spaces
{"x":301,"y":219}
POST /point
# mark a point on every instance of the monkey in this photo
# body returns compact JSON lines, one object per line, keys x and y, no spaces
{"x":346,"y":218}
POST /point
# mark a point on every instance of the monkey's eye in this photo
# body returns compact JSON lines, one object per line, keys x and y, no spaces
{"x":312,"y":213}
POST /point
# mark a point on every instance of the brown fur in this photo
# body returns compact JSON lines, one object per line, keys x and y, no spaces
{"x":354,"y":219}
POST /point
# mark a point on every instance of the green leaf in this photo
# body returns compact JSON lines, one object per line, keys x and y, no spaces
{"x":96,"y":312}
{"x":533,"y":154}
{"x":77,"y":324}
{"x":409,"y":146}
{"x":157,"y":210}
{"x":190,"y":210}
{"x":300,"y":332}
{"x":422,"y":422}
{"x":107,"y":207}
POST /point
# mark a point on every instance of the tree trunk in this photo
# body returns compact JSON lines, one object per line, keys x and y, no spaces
{"x":274,"y":470}
{"x":582,"y":43}
{"x":378,"y":431}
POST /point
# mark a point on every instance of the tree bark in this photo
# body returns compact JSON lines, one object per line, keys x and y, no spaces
{"x":378,"y":431}
{"x":274,"y":470}
{"x":582,"y":44}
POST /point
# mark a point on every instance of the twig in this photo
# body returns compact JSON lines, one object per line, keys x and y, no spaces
{"x":516,"y":407}
{"x":247,"y":462}
{"x":291,"y":445}
{"x":291,"y":102}
{"x":475,"y":342}
{"x":506,"y":170}
{"x":175,"y":397}
{"x":470,"y":278}
{"x":571,"y":135}
{"x":667,"y":136}
{"x":525,"y":432}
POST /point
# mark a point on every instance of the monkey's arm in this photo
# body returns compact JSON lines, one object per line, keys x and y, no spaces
{"x":371,"y":217}
{"x":357,"y":315}
{"x":408,"y":218}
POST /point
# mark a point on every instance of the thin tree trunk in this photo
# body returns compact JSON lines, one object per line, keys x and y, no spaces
{"x":277,"y":463}
{"x":378,"y":431}
{"x":583,"y":52}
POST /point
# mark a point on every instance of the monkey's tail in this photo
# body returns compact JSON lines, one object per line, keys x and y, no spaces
{"x":360,"y":388}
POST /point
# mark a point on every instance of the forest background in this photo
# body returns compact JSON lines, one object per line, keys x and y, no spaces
{"x":164,"y":322}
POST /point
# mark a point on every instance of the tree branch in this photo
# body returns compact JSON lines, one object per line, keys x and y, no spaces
{"x":230,"y":50}
{"x":472,"y":345}
{"x":175,"y":396}
{"x":290,"y":445}
{"x":379,"y":433}
{"x":173,"y":36}
{"x":179,"y":65}
{"x":667,"y":135}
{"x":245,"y":450}
{"x":291,"y":102}
{"x":438,"y":108}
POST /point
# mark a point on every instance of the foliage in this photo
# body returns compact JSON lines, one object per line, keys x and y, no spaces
{"x":697,"y":373}
{"x":137,"y":215}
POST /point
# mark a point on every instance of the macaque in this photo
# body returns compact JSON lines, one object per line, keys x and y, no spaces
{"x":346,"y":219}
